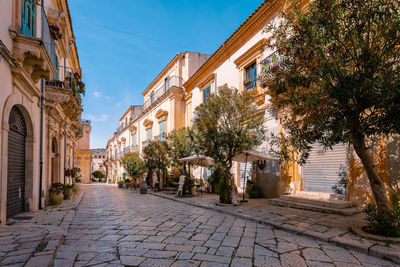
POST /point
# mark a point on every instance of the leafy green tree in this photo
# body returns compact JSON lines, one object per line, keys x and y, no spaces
{"x":98,"y":174}
{"x":155,"y":156}
{"x":133,"y":165}
{"x":226,"y":124}
{"x":178,"y":147}
{"x":340,"y":80}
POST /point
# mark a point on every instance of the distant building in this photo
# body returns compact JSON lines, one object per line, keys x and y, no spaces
{"x":83,"y":152}
{"x":97,"y":162}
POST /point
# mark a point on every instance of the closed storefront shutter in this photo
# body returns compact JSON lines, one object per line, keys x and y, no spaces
{"x":322,"y":171}
{"x":16,"y":163}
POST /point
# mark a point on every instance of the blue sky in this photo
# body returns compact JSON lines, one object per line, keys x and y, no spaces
{"x":124,"y":44}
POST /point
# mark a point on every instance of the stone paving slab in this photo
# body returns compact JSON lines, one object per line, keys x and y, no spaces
{"x":160,"y":232}
{"x":330,"y":228}
{"x":33,"y":239}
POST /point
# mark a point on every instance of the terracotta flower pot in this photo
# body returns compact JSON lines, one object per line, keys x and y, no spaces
{"x":56,"y":198}
{"x":68,"y":193}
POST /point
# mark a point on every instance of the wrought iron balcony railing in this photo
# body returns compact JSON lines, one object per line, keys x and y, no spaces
{"x":269,"y":66}
{"x":28,"y":28}
{"x":173,"y":81}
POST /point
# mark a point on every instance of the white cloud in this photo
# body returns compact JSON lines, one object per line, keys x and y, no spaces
{"x":119,"y":104}
{"x":96,"y":94}
{"x":102,"y":117}
{"x":108,"y":98}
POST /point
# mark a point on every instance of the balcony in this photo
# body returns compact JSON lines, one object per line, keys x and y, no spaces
{"x":36,"y":50}
{"x":173,"y":81}
{"x":269,"y":67}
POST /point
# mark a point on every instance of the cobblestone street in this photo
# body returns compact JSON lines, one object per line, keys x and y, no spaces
{"x":116,"y":227}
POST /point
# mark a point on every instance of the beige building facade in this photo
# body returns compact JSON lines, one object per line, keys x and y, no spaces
{"x":163,"y":111}
{"x":40,"y":101}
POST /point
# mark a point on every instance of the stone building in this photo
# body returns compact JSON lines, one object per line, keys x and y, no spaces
{"x":83,"y":152}
{"x":40,"y":101}
{"x":163,"y":111}
{"x":98,"y":158}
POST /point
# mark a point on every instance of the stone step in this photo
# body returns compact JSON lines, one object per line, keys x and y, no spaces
{"x":305,"y":206}
{"x":317,"y":201}
{"x":320,"y":195}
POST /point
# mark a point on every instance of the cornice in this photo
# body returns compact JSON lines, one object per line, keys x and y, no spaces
{"x":260,"y":17}
{"x":252,"y":51}
{"x":206,"y":81}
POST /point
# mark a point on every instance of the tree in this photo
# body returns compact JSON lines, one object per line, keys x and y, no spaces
{"x":340,"y":79}
{"x":226,"y":124}
{"x":178,"y":147}
{"x":133,"y":165}
{"x":156,"y":159}
{"x":98,"y":174}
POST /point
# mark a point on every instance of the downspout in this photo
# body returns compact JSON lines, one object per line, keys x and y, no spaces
{"x":65,"y":151}
{"x":41,"y":143}
{"x":41,"y":126}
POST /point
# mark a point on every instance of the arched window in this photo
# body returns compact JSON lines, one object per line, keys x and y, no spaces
{"x":28,"y":17}
{"x":54,"y":146}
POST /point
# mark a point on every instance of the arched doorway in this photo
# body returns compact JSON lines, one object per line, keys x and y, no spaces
{"x":16,"y":162}
{"x":55,"y":171}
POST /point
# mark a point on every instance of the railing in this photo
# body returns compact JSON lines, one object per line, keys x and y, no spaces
{"x":162,"y":89}
{"x":133,"y":148}
{"x":269,"y":66}
{"x":157,"y":137}
{"x":48,"y":39}
{"x":28,"y":28}
{"x":127,"y":149}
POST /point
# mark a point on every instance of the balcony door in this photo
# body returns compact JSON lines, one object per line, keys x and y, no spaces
{"x":28,"y":17}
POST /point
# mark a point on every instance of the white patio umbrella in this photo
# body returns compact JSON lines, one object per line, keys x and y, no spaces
{"x":199,"y":160}
{"x":249,"y":156}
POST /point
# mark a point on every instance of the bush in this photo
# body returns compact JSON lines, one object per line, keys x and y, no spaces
{"x":252,"y":190}
{"x":385,"y":224}
{"x":98,"y":174}
{"x":215,"y":177}
{"x":57,"y":187}
{"x":224,"y":191}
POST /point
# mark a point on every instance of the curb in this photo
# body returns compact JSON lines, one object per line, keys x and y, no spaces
{"x":336,"y":240}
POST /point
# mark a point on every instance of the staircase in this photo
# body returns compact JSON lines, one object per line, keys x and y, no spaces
{"x":316,"y":201}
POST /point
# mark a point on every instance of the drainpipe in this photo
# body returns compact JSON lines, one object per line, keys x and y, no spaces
{"x":41,"y":127}
{"x":41,"y":143}
{"x":65,"y":151}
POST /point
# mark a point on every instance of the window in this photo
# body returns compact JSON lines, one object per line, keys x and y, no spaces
{"x":166,"y":84}
{"x":148,"y":134}
{"x":28,"y":17}
{"x":250,"y":80}
{"x":56,"y":76}
{"x":133,"y":139}
{"x":162,"y":131}
{"x":152,"y":98}
{"x":206,"y":92}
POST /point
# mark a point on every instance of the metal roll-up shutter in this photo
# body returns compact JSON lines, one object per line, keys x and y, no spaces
{"x":245,"y":175}
{"x":16,"y":163}
{"x":322,"y":170}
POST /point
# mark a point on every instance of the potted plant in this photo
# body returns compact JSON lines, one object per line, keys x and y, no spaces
{"x":55,"y":31}
{"x":68,"y":191}
{"x":120,"y":184}
{"x":56,"y":193}
{"x":75,"y":188}
{"x":143,"y":188}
